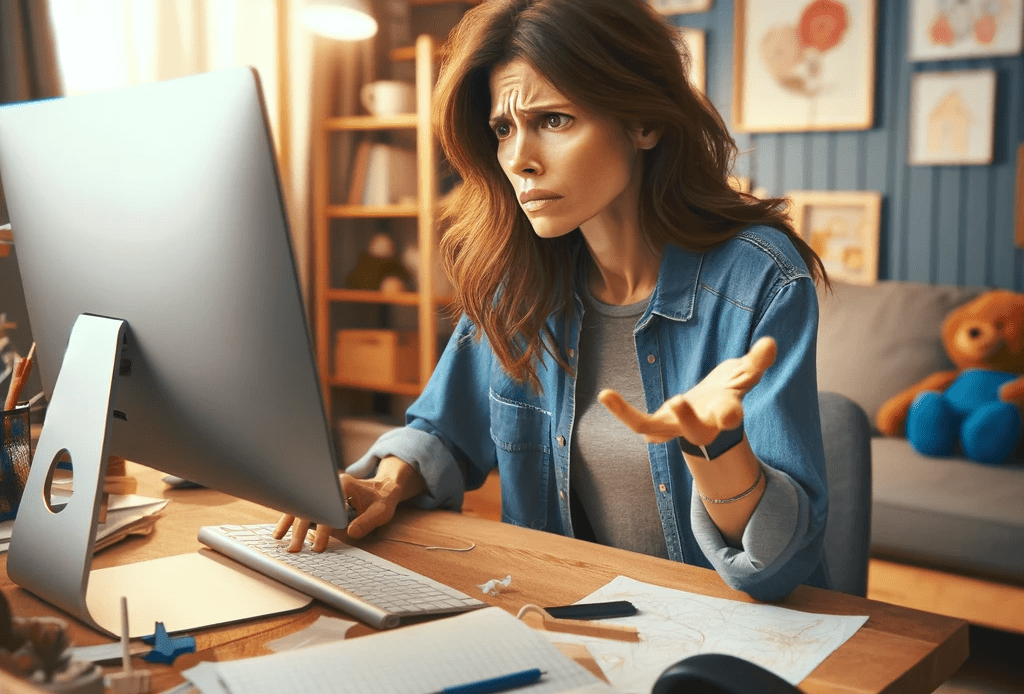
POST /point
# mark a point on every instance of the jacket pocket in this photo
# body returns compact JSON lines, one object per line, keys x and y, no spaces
{"x":521,"y":433}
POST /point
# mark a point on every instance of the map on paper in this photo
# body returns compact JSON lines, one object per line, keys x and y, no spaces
{"x":675,"y":624}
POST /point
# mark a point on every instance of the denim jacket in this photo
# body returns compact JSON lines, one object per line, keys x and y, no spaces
{"x":472,"y":417}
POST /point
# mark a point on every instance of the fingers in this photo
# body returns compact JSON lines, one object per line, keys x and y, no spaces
{"x":373,"y":506}
{"x":282,"y":526}
{"x":299,"y":529}
{"x":368,"y":521}
{"x":320,"y":537}
{"x":656,"y":428}
{"x":762,"y":353}
{"x":617,"y":405}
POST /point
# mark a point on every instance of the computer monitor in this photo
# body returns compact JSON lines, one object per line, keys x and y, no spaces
{"x":161,"y":288}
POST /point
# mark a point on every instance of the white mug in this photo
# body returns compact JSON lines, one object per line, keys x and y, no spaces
{"x":388,"y":97}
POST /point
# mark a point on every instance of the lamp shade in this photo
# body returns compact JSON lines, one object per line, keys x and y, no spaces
{"x":345,"y":20}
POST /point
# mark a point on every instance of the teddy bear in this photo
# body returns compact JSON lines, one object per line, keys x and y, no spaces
{"x":975,"y":409}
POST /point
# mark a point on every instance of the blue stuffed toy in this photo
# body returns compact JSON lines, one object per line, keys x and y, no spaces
{"x":974,"y":411}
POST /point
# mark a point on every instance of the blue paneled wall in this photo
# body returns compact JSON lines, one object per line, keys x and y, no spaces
{"x":940,"y":224}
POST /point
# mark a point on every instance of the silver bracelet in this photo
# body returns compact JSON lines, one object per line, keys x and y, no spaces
{"x":760,"y":475}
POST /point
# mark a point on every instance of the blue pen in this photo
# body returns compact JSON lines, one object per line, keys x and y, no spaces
{"x":496,"y":684}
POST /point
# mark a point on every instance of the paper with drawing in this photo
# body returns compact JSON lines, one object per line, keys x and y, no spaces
{"x":674,"y":624}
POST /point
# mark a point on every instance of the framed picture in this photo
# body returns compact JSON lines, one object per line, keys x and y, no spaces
{"x":952,"y":116}
{"x":680,"y":6}
{"x":804,"y":65}
{"x":693,"y":41}
{"x":842,"y":228}
{"x":940,"y":29}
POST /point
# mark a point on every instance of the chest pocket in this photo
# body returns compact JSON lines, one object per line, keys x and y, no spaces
{"x":521,"y":433}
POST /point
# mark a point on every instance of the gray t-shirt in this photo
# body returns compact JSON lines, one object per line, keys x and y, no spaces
{"x":609,"y":470}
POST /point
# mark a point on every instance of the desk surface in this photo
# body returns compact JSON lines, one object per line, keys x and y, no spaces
{"x":898,"y":650}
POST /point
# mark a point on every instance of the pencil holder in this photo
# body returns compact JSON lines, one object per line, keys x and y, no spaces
{"x":15,"y":457}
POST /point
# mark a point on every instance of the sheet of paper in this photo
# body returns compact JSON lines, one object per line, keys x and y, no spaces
{"x":122,"y":511}
{"x":416,"y":659}
{"x":675,"y":624}
{"x":323,"y":630}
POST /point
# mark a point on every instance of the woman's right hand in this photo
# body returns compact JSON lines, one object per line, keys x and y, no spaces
{"x":373,"y":500}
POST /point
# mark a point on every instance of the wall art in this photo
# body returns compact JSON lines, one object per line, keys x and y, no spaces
{"x":952,"y":117}
{"x":842,"y":227}
{"x":941,"y":29}
{"x":804,"y":65}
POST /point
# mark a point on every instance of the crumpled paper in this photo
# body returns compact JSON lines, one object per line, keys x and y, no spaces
{"x":495,"y":585}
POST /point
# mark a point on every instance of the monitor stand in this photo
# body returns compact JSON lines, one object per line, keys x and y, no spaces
{"x":51,"y":548}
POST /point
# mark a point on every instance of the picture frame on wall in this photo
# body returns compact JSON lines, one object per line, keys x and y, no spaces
{"x":843,"y":229}
{"x":680,"y":6}
{"x":952,"y":117}
{"x":694,"y":42}
{"x":940,"y":30}
{"x":804,"y":65}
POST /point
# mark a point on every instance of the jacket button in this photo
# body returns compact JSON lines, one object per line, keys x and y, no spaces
{"x":561,"y":494}
{"x":561,"y":441}
{"x":650,"y":359}
{"x":662,"y":487}
{"x":572,"y":353}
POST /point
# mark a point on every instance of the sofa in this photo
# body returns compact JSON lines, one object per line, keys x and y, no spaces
{"x":947,"y":534}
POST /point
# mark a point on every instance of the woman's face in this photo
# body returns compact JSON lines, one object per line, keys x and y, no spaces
{"x":567,"y":165}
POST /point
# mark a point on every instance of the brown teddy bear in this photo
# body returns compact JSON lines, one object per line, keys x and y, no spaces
{"x":974,"y":409}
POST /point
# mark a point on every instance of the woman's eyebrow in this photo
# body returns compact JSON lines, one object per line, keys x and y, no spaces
{"x":532,"y":110}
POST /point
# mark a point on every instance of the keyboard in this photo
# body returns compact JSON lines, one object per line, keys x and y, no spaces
{"x":373,"y":590}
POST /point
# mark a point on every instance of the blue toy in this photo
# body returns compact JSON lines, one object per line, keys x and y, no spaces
{"x":968,"y":418}
{"x":975,"y":409}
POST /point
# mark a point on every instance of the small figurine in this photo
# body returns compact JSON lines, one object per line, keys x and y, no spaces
{"x":379,"y":268}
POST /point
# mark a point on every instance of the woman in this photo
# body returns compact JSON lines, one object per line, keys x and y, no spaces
{"x":605,"y":270}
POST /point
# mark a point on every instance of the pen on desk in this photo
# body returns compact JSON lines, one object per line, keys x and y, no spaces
{"x":502,"y":683}
{"x":18,"y":379}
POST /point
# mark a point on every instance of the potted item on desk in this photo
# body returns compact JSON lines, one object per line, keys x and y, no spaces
{"x":37,"y":650}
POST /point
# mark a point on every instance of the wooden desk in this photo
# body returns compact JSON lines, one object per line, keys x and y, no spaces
{"x":898,"y":650}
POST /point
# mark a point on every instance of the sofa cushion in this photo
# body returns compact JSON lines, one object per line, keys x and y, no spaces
{"x":875,"y":341}
{"x":947,"y":511}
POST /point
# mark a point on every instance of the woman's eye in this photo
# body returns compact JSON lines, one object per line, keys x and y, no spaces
{"x":501,"y":130}
{"x":555,"y":120}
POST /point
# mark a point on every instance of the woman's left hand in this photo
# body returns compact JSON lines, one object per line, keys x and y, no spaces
{"x":710,"y":407}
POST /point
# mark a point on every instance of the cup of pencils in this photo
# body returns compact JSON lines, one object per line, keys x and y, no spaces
{"x":15,"y":441}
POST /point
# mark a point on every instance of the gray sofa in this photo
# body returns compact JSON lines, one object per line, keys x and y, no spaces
{"x":949,"y":514}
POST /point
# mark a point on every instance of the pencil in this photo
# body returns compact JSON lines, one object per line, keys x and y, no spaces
{"x":502,"y":683}
{"x":18,"y":379}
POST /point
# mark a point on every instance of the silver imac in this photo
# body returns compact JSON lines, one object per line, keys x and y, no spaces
{"x":161,"y":287}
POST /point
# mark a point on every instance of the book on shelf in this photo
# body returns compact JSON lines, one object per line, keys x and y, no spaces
{"x":360,"y":165}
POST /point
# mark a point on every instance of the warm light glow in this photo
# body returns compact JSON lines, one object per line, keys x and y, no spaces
{"x":345,"y":20}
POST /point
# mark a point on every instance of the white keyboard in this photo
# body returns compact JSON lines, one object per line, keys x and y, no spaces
{"x":374,"y":590}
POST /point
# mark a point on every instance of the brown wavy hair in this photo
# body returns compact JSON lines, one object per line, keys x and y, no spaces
{"x":616,"y":57}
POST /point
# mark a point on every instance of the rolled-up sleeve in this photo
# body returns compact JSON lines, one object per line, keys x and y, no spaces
{"x":782,"y":543}
{"x":445,"y":437}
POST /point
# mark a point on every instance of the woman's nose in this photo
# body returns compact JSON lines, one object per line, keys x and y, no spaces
{"x":523,"y":157}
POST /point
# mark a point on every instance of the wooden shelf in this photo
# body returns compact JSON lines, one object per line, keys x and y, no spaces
{"x":364,"y":296}
{"x":372,"y":211}
{"x":395,"y":388}
{"x":424,"y":300}
{"x":342,"y":123}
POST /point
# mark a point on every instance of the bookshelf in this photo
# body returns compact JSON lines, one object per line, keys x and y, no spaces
{"x":423,"y":296}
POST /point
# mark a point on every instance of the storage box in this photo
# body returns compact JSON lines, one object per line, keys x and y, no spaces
{"x":377,"y":357}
